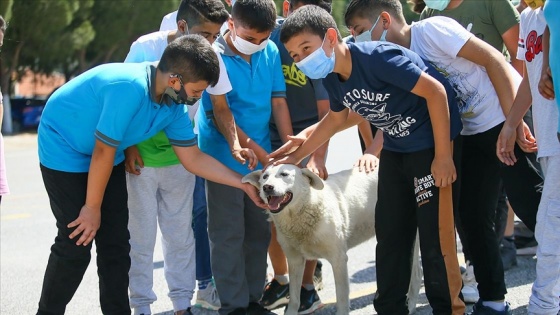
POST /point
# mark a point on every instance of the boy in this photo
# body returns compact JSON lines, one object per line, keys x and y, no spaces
{"x":161,"y":190}
{"x":546,"y":289}
{"x":85,"y":127}
{"x":473,"y":67}
{"x":238,"y":230}
{"x":308,"y":102}
{"x":416,"y":165}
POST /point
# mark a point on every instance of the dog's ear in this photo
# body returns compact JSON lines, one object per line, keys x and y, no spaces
{"x":253,"y":178}
{"x":314,"y":180}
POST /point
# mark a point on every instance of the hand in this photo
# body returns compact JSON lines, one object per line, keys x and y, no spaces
{"x":87,"y":224}
{"x":133,"y":159}
{"x":253,"y":193}
{"x":287,"y":159}
{"x":290,"y":146}
{"x":546,"y":88}
{"x":367,"y":162}
{"x":316,"y":164}
{"x":243,"y":155}
{"x":525,"y":138}
{"x":444,"y":172}
{"x":505,"y":146}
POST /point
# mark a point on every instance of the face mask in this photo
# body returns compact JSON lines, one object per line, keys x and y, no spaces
{"x":439,"y":5}
{"x":181,"y":96}
{"x":246,"y":47}
{"x":366,"y":36}
{"x":317,"y":65}
{"x":535,"y":4}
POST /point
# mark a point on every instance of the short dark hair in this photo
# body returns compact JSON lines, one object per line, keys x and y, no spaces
{"x":192,"y":57}
{"x":371,"y":9}
{"x":196,"y":12}
{"x":311,"y":19}
{"x":3,"y":25}
{"x":325,"y":4}
{"x":259,"y":15}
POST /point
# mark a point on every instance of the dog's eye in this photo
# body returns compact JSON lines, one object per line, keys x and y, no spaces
{"x":283,"y":174}
{"x":265,"y":176}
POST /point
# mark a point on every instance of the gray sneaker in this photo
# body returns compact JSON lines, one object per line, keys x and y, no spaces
{"x":208,"y":298}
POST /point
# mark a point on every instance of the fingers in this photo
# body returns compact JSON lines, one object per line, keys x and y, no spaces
{"x":140,"y":161}
{"x":252,"y":158}
{"x":283,"y":150}
{"x":87,"y":235}
{"x":238,"y":155}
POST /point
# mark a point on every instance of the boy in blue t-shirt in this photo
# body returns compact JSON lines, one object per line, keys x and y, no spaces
{"x":85,"y":127}
{"x":414,"y":106}
{"x":238,"y":230}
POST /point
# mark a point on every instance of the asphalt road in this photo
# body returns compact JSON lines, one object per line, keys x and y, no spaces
{"x":27,"y":230}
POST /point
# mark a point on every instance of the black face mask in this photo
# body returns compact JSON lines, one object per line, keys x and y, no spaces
{"x":180,"y":97}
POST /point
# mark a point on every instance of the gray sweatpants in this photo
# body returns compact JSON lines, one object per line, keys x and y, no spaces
{"x":161,"y":195}
{"x":239,"y":236}
{"x":546,"y":289}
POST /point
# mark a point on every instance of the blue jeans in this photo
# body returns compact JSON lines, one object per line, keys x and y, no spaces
{"x":200,"y":228}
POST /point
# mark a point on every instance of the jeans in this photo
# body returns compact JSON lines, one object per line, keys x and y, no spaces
{"x":200,"y":227}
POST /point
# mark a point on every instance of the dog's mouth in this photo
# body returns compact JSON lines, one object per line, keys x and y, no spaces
{"x":277,"y":203}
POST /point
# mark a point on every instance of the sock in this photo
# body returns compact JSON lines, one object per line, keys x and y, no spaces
{"x":497,"y":306}
{"x":202,"y":284}
{"x":309,"y":287}
{"x":282,"y":279}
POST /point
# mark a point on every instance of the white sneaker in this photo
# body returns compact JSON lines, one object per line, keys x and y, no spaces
{"x":208,"y":298}
{"x":470,"y":290}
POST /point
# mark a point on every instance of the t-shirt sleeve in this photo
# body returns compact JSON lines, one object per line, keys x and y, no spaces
{"x":224,"y":85}
{"x":180,"y":132}
{"x":504,"y":15}
{"x":169,"y":22}
{"x":320,"y":91}
{"x":278,"y":82}
{"x":444,"y":34}
{"x":335,"y":93}
{"x":404,"y":73}
{"x":521,"y":40}
{"x":121,"y":101}
{"x":136,"y":53}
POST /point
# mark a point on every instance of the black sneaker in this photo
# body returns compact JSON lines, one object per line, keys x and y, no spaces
{"x":479,"y":309}
{"x":309,"y":301}
{"x":257,"y":309}
{"x":275,"y":295}
{"x":318,"y":276}
{"x":508,"y":253}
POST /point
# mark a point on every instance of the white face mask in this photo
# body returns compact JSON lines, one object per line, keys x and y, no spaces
{"x":246,"y":47}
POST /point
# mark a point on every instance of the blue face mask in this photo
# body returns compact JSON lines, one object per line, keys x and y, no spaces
{"x":317,"y":65}
{"x":439,"y":5}
{"x":366,"y":36}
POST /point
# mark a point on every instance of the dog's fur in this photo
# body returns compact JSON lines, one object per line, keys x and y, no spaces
{"x":321,"y":219}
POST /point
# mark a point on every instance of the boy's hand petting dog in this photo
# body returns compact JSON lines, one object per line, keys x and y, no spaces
{"x":367,"y":162}
{"x":253,"y":193}
{"x":317,"y":165}
{"x":132,"y":160}
{"x":444,"y":172}
{"x":86,"y":224}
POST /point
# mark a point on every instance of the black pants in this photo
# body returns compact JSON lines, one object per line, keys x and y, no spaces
{"x":68,"y":262}
{"x":408,"y":200}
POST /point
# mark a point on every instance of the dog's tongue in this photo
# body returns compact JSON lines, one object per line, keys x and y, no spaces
{"x":274,"y":202}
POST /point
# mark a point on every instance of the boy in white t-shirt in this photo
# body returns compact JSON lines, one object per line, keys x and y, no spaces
{"x":160,"y":190}
{"x":546,"y":289}
{"x":485,"y":85}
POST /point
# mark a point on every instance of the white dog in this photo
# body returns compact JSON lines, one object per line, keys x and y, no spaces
{"x":321,"y":219}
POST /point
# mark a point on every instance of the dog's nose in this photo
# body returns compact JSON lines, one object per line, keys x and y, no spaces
{"x":268,"y":188}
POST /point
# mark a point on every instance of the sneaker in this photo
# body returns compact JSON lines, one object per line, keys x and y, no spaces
{"x":508,"y":253}
{"x":318,"y":276}
{"x":275,"y":295}
{"x":309,"y":301}
{"x":526,"y":246}
{"x":208,"y":298}
{"x":257,"y":309}
{"x":480,"y":309}
{"x":184,"y":312}
{"x":470,"y":286}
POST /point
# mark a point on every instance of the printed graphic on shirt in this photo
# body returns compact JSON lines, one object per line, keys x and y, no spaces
{"x":294,"y":76}
{"x":423,"y":189}
{"x":373,"y":107}
{"x":466,"y":94}
{"x":532,"y":45}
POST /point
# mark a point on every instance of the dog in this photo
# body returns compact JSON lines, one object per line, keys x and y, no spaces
{"x":322,"y":219}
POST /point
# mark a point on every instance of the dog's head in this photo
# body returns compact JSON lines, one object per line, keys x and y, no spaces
{"x":279,"y":185}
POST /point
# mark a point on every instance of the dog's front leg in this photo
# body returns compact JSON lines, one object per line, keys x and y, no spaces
{"x":296,"y":266}
{"x":341,"y":282}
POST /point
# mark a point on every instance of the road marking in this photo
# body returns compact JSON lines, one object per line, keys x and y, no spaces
{"x":355,"y":294}
{"x":15,"y":216}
